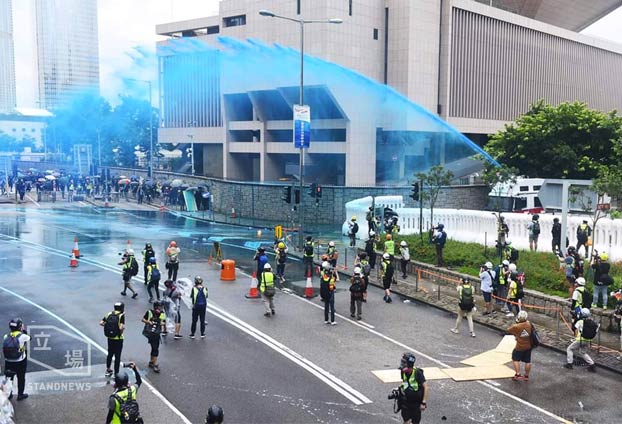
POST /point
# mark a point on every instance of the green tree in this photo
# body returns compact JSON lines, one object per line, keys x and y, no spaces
{"x":432,"y":183}
{"x":564,"y":141}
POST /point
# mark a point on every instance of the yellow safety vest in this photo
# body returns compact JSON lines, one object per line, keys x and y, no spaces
{"x":389,"y":247}
{"x":411,"y":381}
{"x":267,"y":280}
{"x":123,"y":394}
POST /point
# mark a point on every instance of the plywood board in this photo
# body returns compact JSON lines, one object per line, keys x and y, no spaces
{"x":393,"y":376}
{"x":480,"y":373}
{"x":506,"y":344}
{"x":488,"y":358}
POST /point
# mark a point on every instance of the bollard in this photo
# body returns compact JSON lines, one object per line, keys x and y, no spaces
{"x":417,"y":276}
{"x":438,"y":290}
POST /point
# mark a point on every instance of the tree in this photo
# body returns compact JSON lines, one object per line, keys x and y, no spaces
{"x":564,"y":141}
{"x":433,"y":180}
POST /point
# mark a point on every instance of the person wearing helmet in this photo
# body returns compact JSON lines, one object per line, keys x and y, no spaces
{"x":308,"y":252}
{"x":533,"y":229}
{"x":173,"y":305}
{"x":15,"y":361}
{"x":281,"y":259}
{"x":261,"y":258}
{"x":357,"y":287}
{"x":584,"y":234}
{"x":388,"y":271}
{"x":602,"y":279}
{"x":155,"y":324}
{"x":413,"y":390}
{"x":153,"y":279}
{"x":371,"y":220}
{"x":521,"y":331}
{"x":332,"y":254}
{"x":510,"y":252}
{"x":370,"y":248}
{"x":581,"y":297}
{"x":124,"y":392}
{"x":148,"y":253}
{"x":129,"y":268}
{"x":362,"y":261}
{"x":389,"y":246}
{"x":466,"y":305}
{"x":215,"y":415}
{"x":439,"y":238}
{"x":114,"y":325}
{"x":556,"y":233}
{"x":172,"y":260}
{"x":328,"y":280}
{"x":500,"y":285}
{"x":405,"y":257}
{"x":585,"y":331}
{"x":486,"y":278}
{"x":198,"y":296}
{"x":353,"y":228}
{"x":266,"y":287}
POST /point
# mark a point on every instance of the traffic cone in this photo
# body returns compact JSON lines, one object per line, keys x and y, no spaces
{"x":162,"y":208}
{"x":253,"y":293}
{"x":76,"y":249}
{"x":73,"y":262}
{"x":309,"y":287}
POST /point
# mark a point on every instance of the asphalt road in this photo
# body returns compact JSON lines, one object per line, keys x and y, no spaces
{"x":289,"y":368}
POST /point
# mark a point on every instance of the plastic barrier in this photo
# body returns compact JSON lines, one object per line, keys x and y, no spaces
{"x":227,"y":270}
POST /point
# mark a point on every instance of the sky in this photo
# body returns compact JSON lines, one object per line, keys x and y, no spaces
{"x":126,"y":24}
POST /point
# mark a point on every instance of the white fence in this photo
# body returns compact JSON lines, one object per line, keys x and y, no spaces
{"x":481,"y":226}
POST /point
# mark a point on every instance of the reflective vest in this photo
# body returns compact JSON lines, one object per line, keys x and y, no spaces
{"x":195,"y":293}
{"x":120,"y":336}
{"x":123,"y":394}
{"x":410,"y":381}
{"x":513,"y":290}
{"x":267,"y":280}
{"x":580,"y":290}
{"x":307,"y":245}
{"x":328,"y":279}
{"x":389,"y":247}
{"x":331,"y":252}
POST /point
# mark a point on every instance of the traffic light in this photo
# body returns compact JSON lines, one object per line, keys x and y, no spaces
{"x":312,"y":189}
{"x":287,"y":195}
{"x":318,"y":191}
{"x":296,"y":195}
{"x":415,"y":192}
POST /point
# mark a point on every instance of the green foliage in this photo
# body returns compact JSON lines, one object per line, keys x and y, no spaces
{"x":565,"y":141}
{"x":433,"y":181}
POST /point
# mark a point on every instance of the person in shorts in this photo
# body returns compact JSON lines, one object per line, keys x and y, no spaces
{"x":522,"y":351}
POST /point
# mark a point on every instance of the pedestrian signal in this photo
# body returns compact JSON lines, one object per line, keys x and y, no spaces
{"x":287,"y":195}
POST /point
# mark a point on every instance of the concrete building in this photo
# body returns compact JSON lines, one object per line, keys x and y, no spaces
{"x":67,"y":50}
{"x":476,"y":64}
{"x":26,"y":123}
{"x":7,"y":58}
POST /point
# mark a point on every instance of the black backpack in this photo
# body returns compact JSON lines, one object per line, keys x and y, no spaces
{"x":590,"y":328}
{"x":309,"y":249}
{"x":356,"y":286}
{"x":355,"y":228}
{"x":513,"y":255}
{"x":535,"y":337}
{"x":129,"y":411}
{"x":134,"y":267}
{"x":588,"y":298}
{"x":536,"y":228}
{"x":11,"y":348}
{"x":111,"y":326}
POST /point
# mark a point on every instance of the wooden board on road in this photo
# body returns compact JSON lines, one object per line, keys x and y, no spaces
{"x":488,"y":358}
{"x":480,"y":373}
{"x":393,"y":376}
{"x":506,"y":344}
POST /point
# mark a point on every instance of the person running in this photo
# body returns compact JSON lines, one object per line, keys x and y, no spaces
{"x":465,"y":306}
{"x":215,"y":415}
{"x":172,"y":260}
{"x":153,"y":278}
{"x":585,"y":331}
{"x":357,"y":287}
{"x":173,"y":302}
{"x":148,"y":253}
{"x":387,"y":276}
{"x":15,"y":356}
{"x":114,"y":325}
{"x":129,"y":269}
{"x":123,"y":400}
{"x":405,"y":257}
{"x":155,"y":325}
{"x":327,"y":292}
{"x":198,"y":296}
{"x":266,"y":287}
{"x":522,"y":350}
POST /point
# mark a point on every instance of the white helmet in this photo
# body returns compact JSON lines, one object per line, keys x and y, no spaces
{"x":130,"y":251}
{"x":386,"y":256}
{"x":488,"y":265}
{"x":267,"y":266}
{"x":512,"y":267}
{"x":585,"y":312}
{"x":331,"y":244}
{"x":580,"y":281}
{"x":505,"y":262}
{"x":403,"y":243}
{"x":357,"y":270}
{"x":325,"y":265}
{"x":372,"y":233}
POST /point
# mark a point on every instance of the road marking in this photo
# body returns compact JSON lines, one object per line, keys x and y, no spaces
{"x":33,"y":200}
{"x":100,"y":348}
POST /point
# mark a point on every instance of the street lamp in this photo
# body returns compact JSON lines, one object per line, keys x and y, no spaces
{"x":150,"y":173}
{"x":302,"y":23}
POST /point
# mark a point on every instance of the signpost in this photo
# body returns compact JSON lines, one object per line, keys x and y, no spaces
{"x":302,"y":126}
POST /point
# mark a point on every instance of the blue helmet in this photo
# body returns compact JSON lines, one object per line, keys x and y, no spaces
{"x":152,"y":260}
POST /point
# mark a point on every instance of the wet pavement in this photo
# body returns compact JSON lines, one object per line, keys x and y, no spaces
{"x":286,"y":368}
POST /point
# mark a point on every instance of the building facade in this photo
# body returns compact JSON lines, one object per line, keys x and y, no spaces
{"x":475,"y":64}
{"x":67,"y":50}
{"x":7,"y":58}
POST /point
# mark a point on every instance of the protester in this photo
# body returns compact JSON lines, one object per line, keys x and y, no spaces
{"x":148,"y":253}
{"x":486,"y":277}
{"x":172,"y":260}
{"x":534,"y":232}
{"x":466,"y":306}
{"x":522,"y":350}
{"x":198,"y":296}
{"x":153,"y":279}
{"x":370,"y":249}
{"x":405,"y":257}
{"x":353,"y":228}
{"x":412,"y":395}
{"x":556,"y":233}
{"x":332,"y":254}
{"x":128,"y":270}
{"x":308,"y":256}
{"x":602,"y":279}
{"x":357,"y":287}
{"x":327,"y":292}
{"x":155,"y":324}
{"x":15,"y":356}
{"x":388,"y":271}
{"x":584,"y":232}
{"x":585,"y":330}
{"x":281,"y":259}
{"x":114,"y":325}
{"x":173,"y":305}
{"x":439,"y":238}
{"x":266,"y":287}
{"x":122,"y":404}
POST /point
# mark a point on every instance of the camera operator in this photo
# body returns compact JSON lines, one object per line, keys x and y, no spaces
{"x":15,"y":356}
{"x":412,"y":395}
{"x":122,"y":404}
{"x":602,"y":279}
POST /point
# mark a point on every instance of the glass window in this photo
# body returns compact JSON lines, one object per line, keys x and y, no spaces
{"x":537,"y":203}
{"x":536,"y":188}
{"x":213,"y":29}
{"x":523,"y":188}
{"x":232,"y":21}
{"x":520,"y":203}
{"x":375,"y":33}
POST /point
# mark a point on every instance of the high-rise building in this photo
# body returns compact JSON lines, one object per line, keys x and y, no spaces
{"x":7,"y":59}
{"x":67,"y":50}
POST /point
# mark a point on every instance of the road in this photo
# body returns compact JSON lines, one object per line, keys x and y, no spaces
{"x":290,"y":368}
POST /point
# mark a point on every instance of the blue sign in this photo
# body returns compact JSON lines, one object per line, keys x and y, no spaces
{"x":302,"y":126}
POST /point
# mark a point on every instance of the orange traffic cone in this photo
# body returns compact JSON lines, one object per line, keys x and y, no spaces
{"x":76,"y":249}
{"x":253,"y":293}
{"x":309,"y":287}
{"x":162,"y":208}
{"x":73,"y":262}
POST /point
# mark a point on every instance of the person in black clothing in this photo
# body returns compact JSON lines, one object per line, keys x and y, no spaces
{"x":556,"y":232}
{"x":115,"y":341}
{"x":123,"y":390}
{"x":413,"y":393}
{"x":15,"y":356}
{"x":155,"y":324}
{"x":148,"y":253}
{"x":370,"y":249}
{"x":198,"y":296}
{"x":602,"y":279}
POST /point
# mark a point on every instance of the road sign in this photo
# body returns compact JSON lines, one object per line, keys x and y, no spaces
{"x":603,"y":206}
{"x":302,"y":126}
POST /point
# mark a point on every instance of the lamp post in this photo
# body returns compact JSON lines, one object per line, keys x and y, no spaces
{"x":150,"y":172}
{"x":302,"y":23}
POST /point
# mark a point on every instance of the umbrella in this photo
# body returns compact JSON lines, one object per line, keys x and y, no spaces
{"x":176,"y":182}
{"x":50,"y":177}
{"x":122,"y":177}
{"x":134,"y":183}
{"x":41,"y":180}
{"x":124,"y":181}
{"x":49,"y":171}
{"x":183,"y":186}
{"x":56,"y":174}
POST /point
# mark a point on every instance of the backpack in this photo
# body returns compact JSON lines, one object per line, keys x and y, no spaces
{"x":155,"y":274}
{"x":582,"y":233}
{"x":111,"y":326}
{"x":11,"y":348}
{"x":355,"y":228}
{"x":590,"y":328}
{"x":308,"y":249}
{"x":466,"y":298}
{"x":535,"y":337}
{"x":497,"y":280}
{"x":134,"y":267}
{"x":282,"y":257}
{"x":520,"y":285}
{"x":513,"y":255}
{"x":201,"y":299}
{"x":356,"y":286}
{"x":535,"y":229}
{"x":588,"y":298}
{"x":128,"y":409}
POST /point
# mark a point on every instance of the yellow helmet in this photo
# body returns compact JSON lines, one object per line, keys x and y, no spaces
{"x":354,"y":218}
{"x":604,"y":256}
{"x":281,"y":245}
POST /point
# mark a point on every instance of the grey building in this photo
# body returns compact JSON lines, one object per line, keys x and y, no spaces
{"x":67,"y":50}
{"x":475,"y":64}
{"x":7,"y":58}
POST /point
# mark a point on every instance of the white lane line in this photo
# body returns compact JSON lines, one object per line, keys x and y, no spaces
{"x":100,"y":348}
{"x":33,"y":200}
